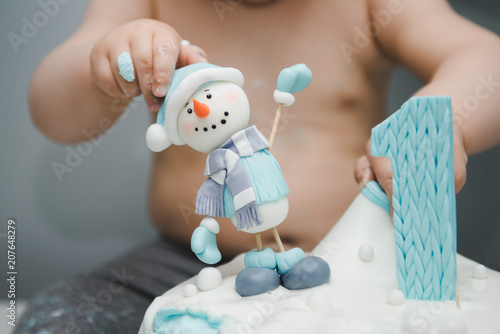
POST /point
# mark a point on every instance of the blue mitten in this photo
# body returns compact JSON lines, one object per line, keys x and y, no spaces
{"x":291,"y":80}
{"x":294,"y":78}
{"x":204,"y":243}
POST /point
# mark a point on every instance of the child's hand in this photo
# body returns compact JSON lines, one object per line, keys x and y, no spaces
{"x":156,"y":50}
{"x":369,"y":168}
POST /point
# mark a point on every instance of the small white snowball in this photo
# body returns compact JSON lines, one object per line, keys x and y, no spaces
{"x":395,"y":297}
{"x":480,"y":272}
{"x":209,"y":278}
{"x":319,"y":300}
{"x":366,"y":252}
{"x":453,"y":326}
{"x":190,"y":290}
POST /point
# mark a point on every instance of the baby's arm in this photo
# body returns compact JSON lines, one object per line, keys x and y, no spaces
{"x":77,"y":89}
{"x":452,"y":56}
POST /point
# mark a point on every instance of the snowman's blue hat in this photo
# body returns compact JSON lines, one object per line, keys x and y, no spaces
{"x":185,"y":82}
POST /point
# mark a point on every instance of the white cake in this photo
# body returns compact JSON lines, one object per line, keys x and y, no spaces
{"x":361,"y":297}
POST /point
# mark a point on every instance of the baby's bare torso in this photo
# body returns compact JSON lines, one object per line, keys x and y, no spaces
{"x":320,"y":137}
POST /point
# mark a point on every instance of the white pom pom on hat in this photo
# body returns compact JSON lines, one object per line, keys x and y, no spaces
{"x":185,"y":82}
{"x":156,"y":138}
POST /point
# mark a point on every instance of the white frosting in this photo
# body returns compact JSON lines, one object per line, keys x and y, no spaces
{"x":356,"y":299}
{"x":453,"y":326}
{"x":317,"y":300}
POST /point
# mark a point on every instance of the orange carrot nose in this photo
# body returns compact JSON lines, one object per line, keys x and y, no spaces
{"x":201,"y":109}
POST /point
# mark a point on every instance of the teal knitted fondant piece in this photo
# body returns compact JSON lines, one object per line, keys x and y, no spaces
{"x":374,"y":192}
{"x":418,"y":139}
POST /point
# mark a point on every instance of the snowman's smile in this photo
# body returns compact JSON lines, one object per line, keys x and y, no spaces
{"x":213,"y":126}
{"x":212,"y":115}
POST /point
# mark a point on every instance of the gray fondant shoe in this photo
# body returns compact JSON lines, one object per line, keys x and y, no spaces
{"x":309,"y":272}
{"x":254,"y":281}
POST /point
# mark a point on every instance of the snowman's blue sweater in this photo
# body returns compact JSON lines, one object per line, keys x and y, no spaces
{"x":267,"y":180}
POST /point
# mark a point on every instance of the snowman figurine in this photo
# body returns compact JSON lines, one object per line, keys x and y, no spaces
{"x":207,"y":109}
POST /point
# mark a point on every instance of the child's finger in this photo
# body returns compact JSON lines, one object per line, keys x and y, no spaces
{"x":122,"y":64}
{"x":166,"y":45}
{"x":142,"y":52}
{"x":102,"y":74}
{"x":191,"y":54}
{"x":363,"y":172}
{"x":383,"y":173}
{"x":460,"y":161}
{"x":382,"y":169}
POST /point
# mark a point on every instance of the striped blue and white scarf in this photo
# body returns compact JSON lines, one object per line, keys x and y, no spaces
{"x":224,"y":169}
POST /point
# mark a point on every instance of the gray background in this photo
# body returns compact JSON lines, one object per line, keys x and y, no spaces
{"x":98,"y":211}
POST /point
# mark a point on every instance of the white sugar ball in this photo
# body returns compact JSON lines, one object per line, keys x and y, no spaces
{"x":318,"y":300}
{"x":480,"y":272}
{"x":209,"y":278}
{"x":453,"y":326}
{"x":395,"y":297}
{"x":190,"y":290}
{"x":366,"y":252}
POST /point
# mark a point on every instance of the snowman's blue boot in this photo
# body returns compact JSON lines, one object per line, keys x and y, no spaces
{"x":263,"y":259}
{"x":286,"y":260}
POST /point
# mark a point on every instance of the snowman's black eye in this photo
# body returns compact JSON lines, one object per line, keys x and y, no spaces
{"x":190,"y":111}
{"x":209,"y":96}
